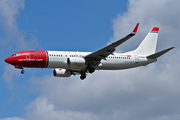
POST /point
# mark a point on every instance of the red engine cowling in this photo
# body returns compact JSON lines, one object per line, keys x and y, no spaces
{"x":62,"y":72}
{"x":76,"y":62}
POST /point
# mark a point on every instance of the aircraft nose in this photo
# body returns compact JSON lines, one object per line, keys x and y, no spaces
{"x":8,"y":60}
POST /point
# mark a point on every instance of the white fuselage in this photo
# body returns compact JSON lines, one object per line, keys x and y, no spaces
{"x":58,"y":59}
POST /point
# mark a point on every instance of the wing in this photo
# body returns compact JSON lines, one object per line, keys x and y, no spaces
{"x":95,"y":57}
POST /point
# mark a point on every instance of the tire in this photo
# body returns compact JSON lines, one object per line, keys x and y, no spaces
{"x":83,"y":76}
{"x":22,"y":71}
{"x":91,"y":70}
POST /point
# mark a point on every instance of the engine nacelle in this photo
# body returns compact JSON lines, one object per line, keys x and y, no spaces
{"x":62,"y":72}
{"x":76,"y":62}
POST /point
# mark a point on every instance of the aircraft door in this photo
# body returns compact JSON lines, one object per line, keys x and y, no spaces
{"x":136,"y":59}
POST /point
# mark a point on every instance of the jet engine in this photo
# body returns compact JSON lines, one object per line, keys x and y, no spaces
{"x":62,"y":72}
{"x":76,"y":62}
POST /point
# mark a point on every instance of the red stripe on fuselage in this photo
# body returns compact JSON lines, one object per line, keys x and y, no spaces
{"x":34,"y":59}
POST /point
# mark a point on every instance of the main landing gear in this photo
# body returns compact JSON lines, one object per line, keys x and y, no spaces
{"x":91,"y":70}
{"x":83,"y":76}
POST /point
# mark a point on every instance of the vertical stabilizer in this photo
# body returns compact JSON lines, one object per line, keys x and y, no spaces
{"x":148,"y":45}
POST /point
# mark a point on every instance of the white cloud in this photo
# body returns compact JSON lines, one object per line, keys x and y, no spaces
{"x":42,"y":109}
{"x":141,"y":93}
{"x":149,"y":14}
{"x":9,"y":9}
{"x":14,"y":38}
{"x":12,"y":118}
{"x":9,"y":74}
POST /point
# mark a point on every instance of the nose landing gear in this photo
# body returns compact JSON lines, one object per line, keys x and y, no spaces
{"x":20,"y":67}
{"x":22,"y":71}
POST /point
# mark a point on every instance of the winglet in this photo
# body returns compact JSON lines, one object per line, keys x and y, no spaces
{"x":135,"y":29}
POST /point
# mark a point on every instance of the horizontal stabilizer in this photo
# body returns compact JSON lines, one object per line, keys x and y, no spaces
{"x":156,"y":55}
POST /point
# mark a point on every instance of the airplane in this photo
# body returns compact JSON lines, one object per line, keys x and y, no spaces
{"x":66,"y":63}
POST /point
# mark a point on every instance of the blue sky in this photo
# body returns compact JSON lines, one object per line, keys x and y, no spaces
{"x":150,"y":92}
{"x":56,"y":23}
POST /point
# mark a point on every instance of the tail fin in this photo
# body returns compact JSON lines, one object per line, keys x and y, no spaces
{"x":148,"y":45}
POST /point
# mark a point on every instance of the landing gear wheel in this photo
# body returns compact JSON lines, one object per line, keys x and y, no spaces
{"x":22,"y":71}
{"x":83,"y":76}
{"x":91,"y":70}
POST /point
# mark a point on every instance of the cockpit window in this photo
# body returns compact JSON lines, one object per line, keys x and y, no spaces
{"x":15,"y":55}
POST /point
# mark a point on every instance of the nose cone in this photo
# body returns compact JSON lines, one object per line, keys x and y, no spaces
{"x":8,"y":60}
